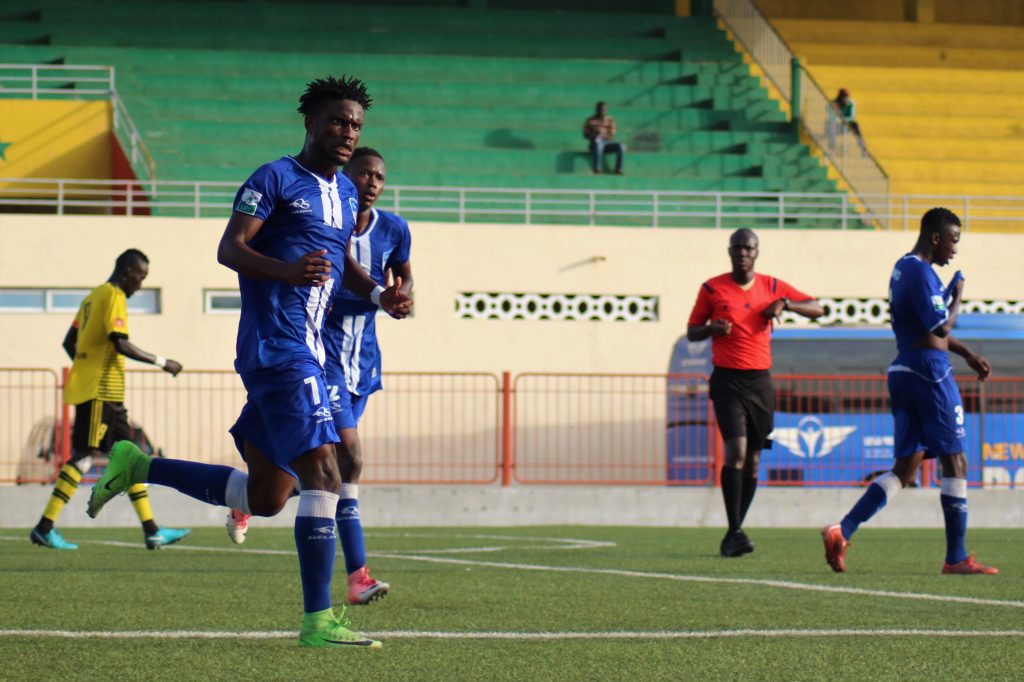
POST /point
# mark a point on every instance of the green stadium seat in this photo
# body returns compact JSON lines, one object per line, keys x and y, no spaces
{"x":463,"y":97}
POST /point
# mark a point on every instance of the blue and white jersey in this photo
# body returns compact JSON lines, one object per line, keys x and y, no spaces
{"x":351,"y":332}
{"x":917,"y":303}
{"x":301,"y":212}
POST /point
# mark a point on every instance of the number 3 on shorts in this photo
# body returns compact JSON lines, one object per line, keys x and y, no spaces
{"x":958,"y":411}
{"x":315,"y":390}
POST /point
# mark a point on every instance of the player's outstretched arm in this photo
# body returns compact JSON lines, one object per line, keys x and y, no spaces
{"x":976,"y":362}
{"x":405,"y":272}
{"x":953,"y":309}
{"x":128,"y":349}
{"x":810,"y":308}
{"x":309,"y":270}
{"x":699,"y":332}
{"x":391,"y":300}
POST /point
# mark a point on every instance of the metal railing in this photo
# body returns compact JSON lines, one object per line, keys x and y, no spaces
{"x":815,"y":111}
{"x":61,"y":81}
{"x":595,"y":429}
{"x":532,"y":206}
{"x":766,"y":46}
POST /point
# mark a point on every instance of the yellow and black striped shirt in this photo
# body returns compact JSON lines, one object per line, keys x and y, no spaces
{"x":98,"y":370}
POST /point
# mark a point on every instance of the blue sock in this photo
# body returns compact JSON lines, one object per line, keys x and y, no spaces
{"x":315,"y":540}
{"x":350,"y":527}
{"x":954,"y":509}
{"x":205,"y":482}
{"x":874,"y":498}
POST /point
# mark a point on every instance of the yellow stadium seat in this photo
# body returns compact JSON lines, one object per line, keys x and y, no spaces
{"x":941,"y":106}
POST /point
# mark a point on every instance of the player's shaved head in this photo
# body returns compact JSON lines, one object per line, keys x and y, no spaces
{"x":936,"y":220}
{"x":361,"y":152}
{"x":324,"y":90}
{"x":132,"y":258}
{"x":742,"y":235}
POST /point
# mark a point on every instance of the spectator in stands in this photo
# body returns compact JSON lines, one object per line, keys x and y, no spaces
{"x":600,"y":130}
{"x":737,"y":310}
{"x":847,"y":109}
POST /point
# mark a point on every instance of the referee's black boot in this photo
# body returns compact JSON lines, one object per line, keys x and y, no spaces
{"x":736,"y":543}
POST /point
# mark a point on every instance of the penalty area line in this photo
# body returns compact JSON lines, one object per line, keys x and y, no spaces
{"x":428,"y":634}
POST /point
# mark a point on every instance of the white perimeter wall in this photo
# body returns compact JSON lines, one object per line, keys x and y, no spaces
{"x":49,"y":251}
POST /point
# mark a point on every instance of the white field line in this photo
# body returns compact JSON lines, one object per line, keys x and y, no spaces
{"x":782,"y":584}
{"x":562,"y":544}
{"x":427,"y":634}
{"x":675,"y":577}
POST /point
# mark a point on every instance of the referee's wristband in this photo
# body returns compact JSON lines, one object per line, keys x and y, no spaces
{"x":160,"y":361}
{"x":375,"y":295}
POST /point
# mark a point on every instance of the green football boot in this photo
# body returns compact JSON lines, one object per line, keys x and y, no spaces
{"x":128,"y":465}
{"x":322,"y":629}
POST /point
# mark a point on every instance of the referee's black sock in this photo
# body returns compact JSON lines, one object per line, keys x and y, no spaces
{"x":749,"y":488}
{"x":732,"y":489}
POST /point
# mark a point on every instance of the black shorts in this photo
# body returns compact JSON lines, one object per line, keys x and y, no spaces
{"x":98,"y":425}
{"x":744,"y":404}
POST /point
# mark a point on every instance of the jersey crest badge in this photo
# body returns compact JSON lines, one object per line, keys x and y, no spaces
{"x":248,"y":202}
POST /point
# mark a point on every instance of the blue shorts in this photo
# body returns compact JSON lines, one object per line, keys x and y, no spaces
{"x":926,"y":405}
{"x":347,"y":408}
{"x":286,"y":414}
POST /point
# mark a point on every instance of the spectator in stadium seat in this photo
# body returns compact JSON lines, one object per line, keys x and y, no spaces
{"x":97,"y":344}
{"x":287,"y":239}
{"x":847,"y":109}
{"x":600,"y":130}
{"x":737,"y":310}
{"x":928,"y":413}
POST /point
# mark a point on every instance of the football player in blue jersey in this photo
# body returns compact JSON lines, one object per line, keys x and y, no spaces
{"x":380,"y":243}
{"x":926,"y":406}
{"x":287,"y":239}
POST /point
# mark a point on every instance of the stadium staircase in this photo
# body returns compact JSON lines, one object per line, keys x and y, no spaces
{"x":463,"y":97}
{"x":940,"y":104}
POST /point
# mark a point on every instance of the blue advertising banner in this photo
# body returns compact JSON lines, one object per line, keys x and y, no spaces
{"x":855,"y":447}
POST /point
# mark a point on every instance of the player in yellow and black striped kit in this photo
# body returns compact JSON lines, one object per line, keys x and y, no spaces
{"x":97,"y":343}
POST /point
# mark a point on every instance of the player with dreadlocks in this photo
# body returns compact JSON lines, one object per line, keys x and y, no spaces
{"x":287,"y":239}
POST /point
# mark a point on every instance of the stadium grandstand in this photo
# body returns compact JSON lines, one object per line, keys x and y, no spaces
{"x":939,"y":100}
{"x":545,"y":377}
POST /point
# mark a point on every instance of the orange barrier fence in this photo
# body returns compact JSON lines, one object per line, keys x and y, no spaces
{"x":29,"y":433}
{"x":531,"y":428}
{"x":641,"y":429}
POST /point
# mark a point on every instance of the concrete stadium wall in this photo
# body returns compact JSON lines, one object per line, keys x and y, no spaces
{"x":48,"y":251}
{"x":389,"y":506}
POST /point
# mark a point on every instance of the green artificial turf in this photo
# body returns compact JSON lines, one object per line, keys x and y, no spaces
{"x":658,"y":588}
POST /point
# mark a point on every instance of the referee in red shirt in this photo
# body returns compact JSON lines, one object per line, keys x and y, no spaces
{"x":737,"y":310}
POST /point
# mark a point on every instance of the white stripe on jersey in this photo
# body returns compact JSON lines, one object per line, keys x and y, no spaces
{"x":352,"y":328}
{"x":330,"y":200}
{"x":360,"y":247}
{"x":315,"y":308}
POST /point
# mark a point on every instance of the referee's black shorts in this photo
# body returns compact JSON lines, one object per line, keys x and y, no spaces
{"x":98,"y":425}
{"x":744,"y":404}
